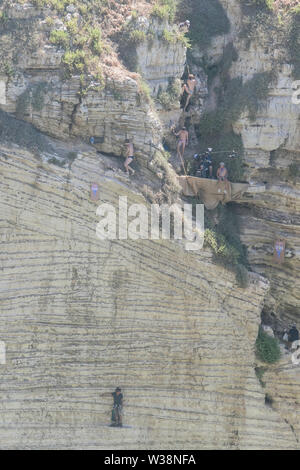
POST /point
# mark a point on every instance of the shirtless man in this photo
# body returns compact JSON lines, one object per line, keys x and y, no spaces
{"x":182,"y":142}
{"x":129,"y":157}
{"x":222,"y":175}
{"x":189,"y":88}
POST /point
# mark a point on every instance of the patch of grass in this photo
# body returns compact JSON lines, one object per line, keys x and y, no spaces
{"x":144,"y":91}
{"x":129,"y":39}
{"x":222,"y":235}
{"x":95,"y":40}
{"x":60,"y":38}
{"x":165,"y":10}
{"x":137,"y":37}
{"x":175,"y":36}
{"x":267,"y":348}
{"x":171,"y":95}
{"x":74,"y":61}
{"x":171,"y":185}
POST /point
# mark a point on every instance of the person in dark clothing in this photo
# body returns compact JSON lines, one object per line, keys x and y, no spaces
{"x":293,"y":334}
{"x":207,"y":163}
{"x":116,"y":414}
{"x":117,"y":408}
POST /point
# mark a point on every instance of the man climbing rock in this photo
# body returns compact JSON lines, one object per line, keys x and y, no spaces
{"x":182,"y":142}
{"x":189,"y":88}
{"x":129,"y":156}
{"x":222,"y":175}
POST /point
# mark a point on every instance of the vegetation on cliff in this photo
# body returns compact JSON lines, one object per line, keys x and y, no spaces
{"x":267,"y":348}
{"x":223,"y":237}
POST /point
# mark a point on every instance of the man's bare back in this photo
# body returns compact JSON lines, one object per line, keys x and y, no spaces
{"x":183,"y":136}
{"x":129,"y":150}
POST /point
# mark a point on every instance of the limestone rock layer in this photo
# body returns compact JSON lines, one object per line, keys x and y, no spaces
{"x":80,"y":316}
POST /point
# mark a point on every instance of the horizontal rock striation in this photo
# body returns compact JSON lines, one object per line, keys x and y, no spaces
{"x":80,"y":316}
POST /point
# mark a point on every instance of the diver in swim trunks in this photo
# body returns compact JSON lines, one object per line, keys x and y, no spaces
{"x":189,"y":88}
{"x":222,"y":175}
{"x":129,"y":157}
{"x":182,"y":142}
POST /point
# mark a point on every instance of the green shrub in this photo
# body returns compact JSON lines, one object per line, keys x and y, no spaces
{"x":175,"y":36}
{"x":72,"y":26}
{"x":74,"y":61}
{"x":224,"y":239}
{"x":267,"y":348}
{"x":60,"y":38}
{"x":137,"y":37}
{"x":95,"y":40}
{"x":144,"y":90}
{"x":169,"y":36}
{"x":165,"y":10}
{"x":171,"y":95}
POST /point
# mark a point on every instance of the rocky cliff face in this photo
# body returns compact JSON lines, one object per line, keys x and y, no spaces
{"x":80,"y":315}
{"x":271,"y":146}
{"x":171,"y":327}
{"x":38,"y":91}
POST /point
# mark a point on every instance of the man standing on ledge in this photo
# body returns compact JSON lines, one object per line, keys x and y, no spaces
{"x":117,"y":408}
{"x":116,"y":415}
{"x":182,"y":142}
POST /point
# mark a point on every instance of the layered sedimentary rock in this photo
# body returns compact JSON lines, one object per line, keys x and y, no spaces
{"x":282,"y":388}
{"x":271,"y":142}
{"x":80,"y":316}
{"x":160,"y":60}
{"x":38,"y":91}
